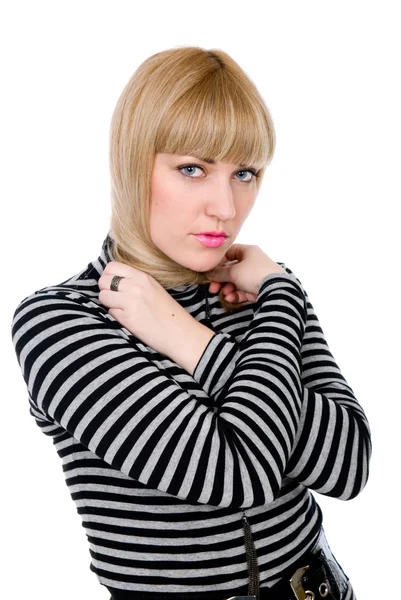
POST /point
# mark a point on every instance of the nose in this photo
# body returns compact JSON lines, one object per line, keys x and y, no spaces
{"x":220,"y":200}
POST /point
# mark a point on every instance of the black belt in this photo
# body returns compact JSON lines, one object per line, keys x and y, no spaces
{"x":310,"y":578}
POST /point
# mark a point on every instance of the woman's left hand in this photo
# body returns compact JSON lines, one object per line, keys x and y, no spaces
{"x":144,"y":307}
{"x":230,"y":291}
{"x":231,"y":294}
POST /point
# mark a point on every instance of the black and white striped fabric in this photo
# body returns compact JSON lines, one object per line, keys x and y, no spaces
{"x":162,"y":465}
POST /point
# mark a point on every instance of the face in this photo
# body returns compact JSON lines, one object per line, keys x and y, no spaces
{"x":190,"y":196}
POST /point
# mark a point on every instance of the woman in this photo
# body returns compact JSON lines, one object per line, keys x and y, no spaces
{"x":192,"y":425}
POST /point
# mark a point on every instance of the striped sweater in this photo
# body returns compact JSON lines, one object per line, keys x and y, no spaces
{"x":163,"y":465}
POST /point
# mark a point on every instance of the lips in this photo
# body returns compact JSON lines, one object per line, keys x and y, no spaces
{"x":212,"y":241}
{"x":213,"y":233}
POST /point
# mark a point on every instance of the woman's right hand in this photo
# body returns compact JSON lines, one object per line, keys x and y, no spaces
{"x":248,"y":266}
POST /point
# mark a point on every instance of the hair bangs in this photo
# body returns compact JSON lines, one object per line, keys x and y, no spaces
{"x":214,"y":120}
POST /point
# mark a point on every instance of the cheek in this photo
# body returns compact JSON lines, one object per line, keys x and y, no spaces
{"x":168,"y":218}
{"x":169,"y":202}
{"x":165,"y":194}
{"x":159,"y":203}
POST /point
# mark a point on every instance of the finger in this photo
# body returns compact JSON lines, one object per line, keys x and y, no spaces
{"x":229,"y":288}
{"x":216,"y":286}
{"x":111,"y":299}
{"x":106,"y":279}
{"x":118,"y":268}
{"x":232,"y":297}
{"x":117,"y":314}
{"x":240,"y":296}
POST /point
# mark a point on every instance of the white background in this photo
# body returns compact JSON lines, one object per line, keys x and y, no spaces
{"x":330,"y":74}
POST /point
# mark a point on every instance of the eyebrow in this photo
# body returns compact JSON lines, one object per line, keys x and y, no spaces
{"x":210,"y":161}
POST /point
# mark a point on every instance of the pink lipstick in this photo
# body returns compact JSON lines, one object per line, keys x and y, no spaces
{"x":212,"y":241}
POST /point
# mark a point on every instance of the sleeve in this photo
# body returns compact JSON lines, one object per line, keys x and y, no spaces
{"x":84,"y":377}
{"x":332,"y":448}
{"x":333,"y":445}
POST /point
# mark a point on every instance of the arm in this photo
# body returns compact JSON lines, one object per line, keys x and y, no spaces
{"x":186,"y":351}
{"x":332,"y":449}
{"x":333,"y":446}
{"x":187,"y":355}
{"x":85,"y":377}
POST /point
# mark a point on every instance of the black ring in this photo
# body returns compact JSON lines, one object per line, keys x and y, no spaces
{"x":114,"y":283}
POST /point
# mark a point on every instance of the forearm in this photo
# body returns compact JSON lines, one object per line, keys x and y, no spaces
{"x":187,"y":343}
{"x":332,"y":451}
{"x":85,"y":375}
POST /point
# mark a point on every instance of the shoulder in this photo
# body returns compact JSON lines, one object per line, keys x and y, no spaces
{"x":53,"y":325}
{"x":80,"y":289}
{"x":83,"y":284}
{"x":56,"y":307}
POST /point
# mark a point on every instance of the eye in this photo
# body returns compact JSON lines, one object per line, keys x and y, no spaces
{"x":251,"y":171}
{"x":191,"y":168}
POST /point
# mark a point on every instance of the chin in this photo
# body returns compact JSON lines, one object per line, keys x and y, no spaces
{"x":202,"y":266}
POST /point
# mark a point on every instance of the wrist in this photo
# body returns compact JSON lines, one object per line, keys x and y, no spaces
{"x":267,"y":276}
{"x":188,"y":342}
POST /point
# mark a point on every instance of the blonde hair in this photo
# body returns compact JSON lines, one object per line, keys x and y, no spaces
{"x":187,"y":101}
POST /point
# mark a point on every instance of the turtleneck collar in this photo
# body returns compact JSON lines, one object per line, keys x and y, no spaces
{"x":107,"y":256}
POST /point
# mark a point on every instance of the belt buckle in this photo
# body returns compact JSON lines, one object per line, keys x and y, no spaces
{"x":296,"y":585}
